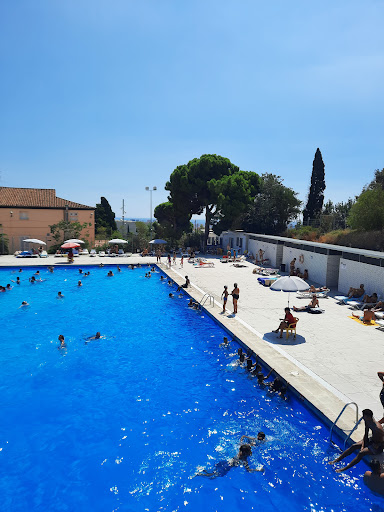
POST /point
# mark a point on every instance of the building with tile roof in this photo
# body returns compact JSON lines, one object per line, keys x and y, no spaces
{"x":28,"y":213}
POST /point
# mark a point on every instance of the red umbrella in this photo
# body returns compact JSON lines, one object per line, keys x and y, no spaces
{"x":70,"y":245}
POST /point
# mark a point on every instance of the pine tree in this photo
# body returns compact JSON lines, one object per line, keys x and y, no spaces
{"x":316,"y":192}
{"x":104,"y":216}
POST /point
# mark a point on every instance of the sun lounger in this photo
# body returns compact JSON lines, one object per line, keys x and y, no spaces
{"x":43,"y":254}
{"x":308,"y":295}
{"x":101,"y":254}
{"x":201,"y":263}
{"x":93,"y":253}
{"x":84,"y":252}
{"x":266,"y":281}
{"x":121,"y":253}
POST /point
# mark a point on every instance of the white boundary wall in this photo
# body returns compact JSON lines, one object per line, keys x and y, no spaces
{"x":354,"y":273}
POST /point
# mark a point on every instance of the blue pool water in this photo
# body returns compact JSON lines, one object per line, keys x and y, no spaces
{"x":124,"y":423}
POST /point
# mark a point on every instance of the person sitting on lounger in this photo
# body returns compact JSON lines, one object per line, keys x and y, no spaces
{"x":222,"y":467}
{"x":368,"y":315}
{"x":379,"y":306}
{"x":356,"y":293}
{"x":370,"y":299}
{"x":288,"y":320}
{"x":368,"y":445}
{"x":313,"y":304}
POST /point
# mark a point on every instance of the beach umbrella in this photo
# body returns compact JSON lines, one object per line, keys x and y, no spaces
{"x":117,"y":241}
{"x":290,"y":284}
{"x":74,"y":240}
{"x":70,"y":245}
{"x":158,"y":241}
{"x":34,"y":241}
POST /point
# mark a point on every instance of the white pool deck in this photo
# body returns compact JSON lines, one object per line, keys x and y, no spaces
{"x":334,"y":359}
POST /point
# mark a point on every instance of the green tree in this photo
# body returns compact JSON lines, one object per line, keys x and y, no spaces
{"x":274,"y":207}
{"x":315,"y":201}
{"x":211,"y":184}
{"x":143,"y":234}
{"x":378,"y":181}
{"x":3,"y":243}
{"x":171,"y":224}
{"x":104,"y":217}
{"x":367,"y":214}
{"x":65,"y":230}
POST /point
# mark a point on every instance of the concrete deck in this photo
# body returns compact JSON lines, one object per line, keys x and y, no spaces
{"x":334,"y":359}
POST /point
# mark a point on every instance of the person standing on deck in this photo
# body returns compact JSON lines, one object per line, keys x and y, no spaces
{"x":224,"y":296}
{"x":235,"y":297}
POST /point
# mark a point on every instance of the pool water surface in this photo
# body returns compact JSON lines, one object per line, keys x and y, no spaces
{"x":125,"y":422}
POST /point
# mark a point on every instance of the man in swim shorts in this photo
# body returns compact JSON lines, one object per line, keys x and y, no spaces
{"x":313,"y":304}
{"x":235,"y":297}
{"x":368,"y":445}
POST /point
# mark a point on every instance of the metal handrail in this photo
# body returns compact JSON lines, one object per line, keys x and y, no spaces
{"x":357,"y":422}
{"x":204,"y":299}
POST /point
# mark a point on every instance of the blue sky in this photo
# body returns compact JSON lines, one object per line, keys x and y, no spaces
{"x":105,"y":98}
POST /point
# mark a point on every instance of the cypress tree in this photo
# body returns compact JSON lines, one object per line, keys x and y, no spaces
{"x":104,"y":216}
{"x":316,"y":191}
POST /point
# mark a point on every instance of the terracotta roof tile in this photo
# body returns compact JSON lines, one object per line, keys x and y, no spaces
{"x":35,"y":198}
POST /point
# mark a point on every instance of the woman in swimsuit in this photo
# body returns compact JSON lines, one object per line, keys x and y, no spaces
{"x":235,"y":297}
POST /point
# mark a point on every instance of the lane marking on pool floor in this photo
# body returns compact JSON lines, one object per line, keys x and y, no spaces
{"x":281,"y":351}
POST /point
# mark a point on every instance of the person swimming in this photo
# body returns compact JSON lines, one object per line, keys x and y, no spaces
{"x":24,"y":303}
{"x":62,"y":342}
{"x":110,"y":274}
{"x":79,"y":283}
{"x":222,"y":467}
{"x":171,"y":295}
{"x":59,"y":295}
{"x":97,"y":336}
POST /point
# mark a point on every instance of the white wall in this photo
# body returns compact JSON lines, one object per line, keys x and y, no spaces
{"x":270,"y":251}
{"x":232,"y":234}
{"x":315,"y":263}
{"x":354,"y":273}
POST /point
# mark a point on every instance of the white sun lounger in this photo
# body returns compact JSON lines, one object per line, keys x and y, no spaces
{"x":93,"y":253}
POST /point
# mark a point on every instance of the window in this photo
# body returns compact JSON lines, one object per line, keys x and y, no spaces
{"x":240,"y":242}
{"x":73,"y":216}
{"x":23,"y":216}
{"x":231,"y":243}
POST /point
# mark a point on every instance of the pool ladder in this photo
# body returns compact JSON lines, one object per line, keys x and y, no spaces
{"x":357,"y":422}
{"x":207,"y":296}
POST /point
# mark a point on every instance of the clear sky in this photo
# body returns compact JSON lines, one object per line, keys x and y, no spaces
{"x":104,"y":98}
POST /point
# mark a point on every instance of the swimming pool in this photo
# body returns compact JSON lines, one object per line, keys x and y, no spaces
{"x":124,"y":423}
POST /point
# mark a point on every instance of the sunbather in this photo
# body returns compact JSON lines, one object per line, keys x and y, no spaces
{"x":313,"y":289}
{"x":379,"y":306}
{"x":356,"y":292}
{"x":370,"y":299}
{"x":313,"y":304}
{"x":368,"y":315}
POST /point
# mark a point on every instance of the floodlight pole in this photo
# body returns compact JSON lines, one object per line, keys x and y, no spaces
{"x":150,"y":204}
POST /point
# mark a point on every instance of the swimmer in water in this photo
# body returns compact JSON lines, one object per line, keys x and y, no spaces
{"x":59,"y":295}
{"x":79,"y":283}
{"x":9,"y":287}
{"x":37,"y":273}
{"x":62,"y":342}
{"x":97,"y":336}
{"x":24,"y":303}
{"x":118,"y":269}
{"x":222,"y":467}
{"x":241,"y":355}
{"x":110,"y":274}
{"x":171,"y":295}
{"x":17,"y":280}
{"x":253,"y":440}
{"x":161,"y":278}
{"x":80,"y":271}
{"x":32,"y":279}
{"x":261,"y":377}
{"x":225,"y":343}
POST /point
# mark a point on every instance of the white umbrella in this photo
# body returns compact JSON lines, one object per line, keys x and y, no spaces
{"x":74,"y":240}
{"x":35,"y":241}
{"x":117,"y":241}
{"x":158,"y":241}
{"x":290,"y":284}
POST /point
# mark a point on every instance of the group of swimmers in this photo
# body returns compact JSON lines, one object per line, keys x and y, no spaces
{"x":63,"y":345}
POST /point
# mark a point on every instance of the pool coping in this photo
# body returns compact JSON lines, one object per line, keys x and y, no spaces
{"x":316,"y":395}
